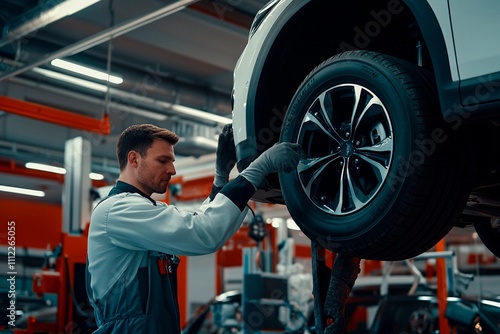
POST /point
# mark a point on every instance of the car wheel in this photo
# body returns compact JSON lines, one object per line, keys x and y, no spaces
{"x":381,"y":177}
{"x":489,"y":235}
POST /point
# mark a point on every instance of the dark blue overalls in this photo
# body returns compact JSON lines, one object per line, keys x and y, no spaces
{"x":149,"y":303}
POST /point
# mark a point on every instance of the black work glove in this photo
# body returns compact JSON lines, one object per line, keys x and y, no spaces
{"x":225,"y":156}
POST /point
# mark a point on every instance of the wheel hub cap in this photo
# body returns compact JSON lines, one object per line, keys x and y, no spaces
{"x":347,"y":149}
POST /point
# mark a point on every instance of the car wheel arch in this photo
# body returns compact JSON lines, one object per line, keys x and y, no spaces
{"x":271,"y":69}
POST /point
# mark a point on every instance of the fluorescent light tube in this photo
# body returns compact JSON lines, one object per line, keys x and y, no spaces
{"x":71,"y":80}
{"x":87,"y":71}
{"x":50,"y":14}
{"x":200,"y":114}
{"x":100,"y":88}
{"x":23,"y":191}
{"x":45,"y":168}
{"x":96,"y":176}
{"x":69,"y":7}
{"x":58,"y":170}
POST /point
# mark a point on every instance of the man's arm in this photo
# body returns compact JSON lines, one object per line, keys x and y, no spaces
{"x":136,"y":224}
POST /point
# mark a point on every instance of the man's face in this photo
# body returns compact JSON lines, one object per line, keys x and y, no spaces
{"x":156,"y":168}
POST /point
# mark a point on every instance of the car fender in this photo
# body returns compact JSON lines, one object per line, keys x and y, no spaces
{"x":247,"y":74}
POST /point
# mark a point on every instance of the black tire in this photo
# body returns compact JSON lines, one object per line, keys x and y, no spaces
{"x":490,"y":236}
{"x":403,"y":180}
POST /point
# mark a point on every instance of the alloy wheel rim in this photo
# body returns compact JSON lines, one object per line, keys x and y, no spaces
{"x":347,"y":138}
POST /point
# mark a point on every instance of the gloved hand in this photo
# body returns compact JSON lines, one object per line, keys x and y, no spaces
{"x":225,"y":156}
{"x":282,"y":157}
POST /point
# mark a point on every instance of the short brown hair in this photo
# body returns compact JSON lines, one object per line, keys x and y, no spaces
{"x":139,"y":138}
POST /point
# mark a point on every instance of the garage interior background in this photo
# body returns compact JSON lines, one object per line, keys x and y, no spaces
{"x":176,"y":60}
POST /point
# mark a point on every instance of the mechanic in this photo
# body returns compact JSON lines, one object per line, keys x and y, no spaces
{"x":134,"y":241}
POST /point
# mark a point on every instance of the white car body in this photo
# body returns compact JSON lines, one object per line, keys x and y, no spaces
{"x":468,"y":26}
{"x":432,"y":66}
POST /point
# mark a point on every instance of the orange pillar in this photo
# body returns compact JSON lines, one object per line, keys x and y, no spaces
{"x":442,"y":290}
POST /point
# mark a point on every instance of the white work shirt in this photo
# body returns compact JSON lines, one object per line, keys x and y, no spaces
{"x":126,"y":226}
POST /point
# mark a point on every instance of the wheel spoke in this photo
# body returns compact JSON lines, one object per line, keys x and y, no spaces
{"x":310,"y":118}
{"x":340,"y":203}
{"x":356,"y":119}
{"x":351,"y":191}
{"x":327,"y":118}
{"x":386,"y":146}
{"x":378,"y":156}
{"x":324,"y":122}
{"x":357,"y":97}
{"x":381,"y":167}
{"x":316,"y":166}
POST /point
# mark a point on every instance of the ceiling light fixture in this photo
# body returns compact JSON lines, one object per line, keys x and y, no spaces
{"x":45,"y":168}
{"x":70,"y":7}
{"x":200,"y":114}
{"x":87,"y":71}
{"x":180,"y":109}
{"x":41,"y":16}
{"x":22,"y":191}
{"x":71,"y":80}
{"x":58,"y":170}
{"x":96,"y":176}
{"x":92,"y":85}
